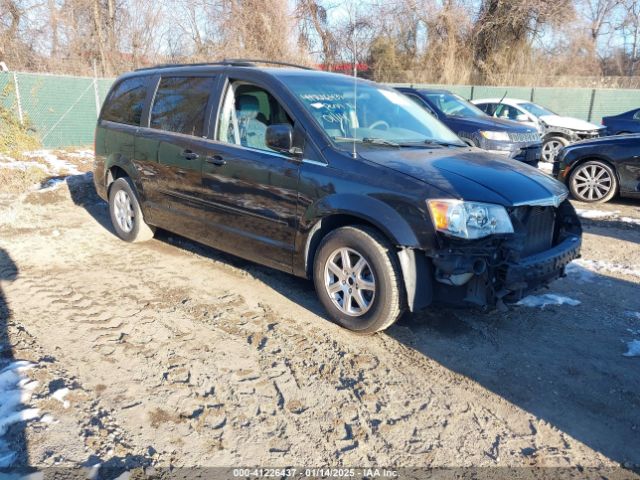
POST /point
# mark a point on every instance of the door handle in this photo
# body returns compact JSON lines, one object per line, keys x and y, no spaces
{"x":189,"y":155}
{"x":216,"y":160}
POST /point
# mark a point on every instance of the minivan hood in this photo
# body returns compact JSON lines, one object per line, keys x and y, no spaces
{"x":489,"y":123}
{"x":568,"y":122}
{"x":472,"y":174}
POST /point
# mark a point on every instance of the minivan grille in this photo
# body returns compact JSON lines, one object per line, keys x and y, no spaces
{"x":539,"y":223}
{"x":524,"y":137}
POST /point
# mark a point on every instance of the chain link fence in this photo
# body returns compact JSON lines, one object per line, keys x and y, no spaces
{"x":585,"y":103}
{"x":62,"y":110}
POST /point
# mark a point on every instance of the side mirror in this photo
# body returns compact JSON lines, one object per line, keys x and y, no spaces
{"x":279,"y":137}
{"x":521,"y":117}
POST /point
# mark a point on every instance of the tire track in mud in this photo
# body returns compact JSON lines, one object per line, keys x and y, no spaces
{"x":180,"y":375}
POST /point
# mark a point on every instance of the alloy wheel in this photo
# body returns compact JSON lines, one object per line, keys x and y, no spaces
{"x":550,"y":149}
{"x":592,"y":182}
{"x":350,"y":282}
{"x":123,"y":210}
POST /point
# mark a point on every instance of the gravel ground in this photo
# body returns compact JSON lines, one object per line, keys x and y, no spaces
{"x":170,"y":353}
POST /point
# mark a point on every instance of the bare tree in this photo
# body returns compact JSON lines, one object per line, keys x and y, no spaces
{"x":631,"y":30}
{"x":313,"y":19}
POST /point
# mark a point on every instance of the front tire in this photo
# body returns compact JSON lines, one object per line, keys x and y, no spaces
{"x":358,"y":279}
{"x":593,"y":182}
{"x":551,"y":147}
{"x":126,"y":215}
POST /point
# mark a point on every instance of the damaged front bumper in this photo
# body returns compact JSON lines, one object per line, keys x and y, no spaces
{"x":488,"y":272}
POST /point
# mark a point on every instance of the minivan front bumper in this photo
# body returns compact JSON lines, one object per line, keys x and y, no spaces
{"x":538,"y":270}
{"x":506,"y":269}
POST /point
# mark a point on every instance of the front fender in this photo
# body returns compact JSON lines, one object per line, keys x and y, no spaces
{"x":410,"y":232}
{"x":373,"y":210}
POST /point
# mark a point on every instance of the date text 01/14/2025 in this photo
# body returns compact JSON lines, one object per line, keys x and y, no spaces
{"x":315,"y":472}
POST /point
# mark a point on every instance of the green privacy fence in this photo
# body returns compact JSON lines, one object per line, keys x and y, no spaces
{"x":62,"y":110}
{"x":584,"y":103}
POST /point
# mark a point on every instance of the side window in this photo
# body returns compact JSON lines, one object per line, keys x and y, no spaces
{"x":126,"y":101}
{"x":247,"y":111}
{"x":507,"y":111}
{"x":180,"y":103}
{"x":636,"y":116}
{"x":488,"y":108}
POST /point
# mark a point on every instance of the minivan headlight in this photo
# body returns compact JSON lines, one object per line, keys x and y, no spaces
{"x":493,"y":135}
{"x":469,"y":220}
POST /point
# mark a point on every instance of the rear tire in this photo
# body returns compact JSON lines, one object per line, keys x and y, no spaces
{"x":358,"y":279}
{"x":125,"y":212}
{"x":593,"y":182}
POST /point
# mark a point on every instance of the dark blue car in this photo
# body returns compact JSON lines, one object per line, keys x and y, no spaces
{"x":475,"y":127}
{"x":627,"y":122}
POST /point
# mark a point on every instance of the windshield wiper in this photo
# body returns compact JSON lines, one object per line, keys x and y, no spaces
{"x":380,"y":141}
{"x":431,"y":141}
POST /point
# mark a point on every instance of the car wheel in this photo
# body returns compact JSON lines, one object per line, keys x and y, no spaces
{"x":593,"y":182}
{"x":358,"y":279}
{"x":126,"y":215}
{"x":551,"y":147}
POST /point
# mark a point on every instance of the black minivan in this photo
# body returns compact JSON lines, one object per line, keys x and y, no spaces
{"x":344,"y":181}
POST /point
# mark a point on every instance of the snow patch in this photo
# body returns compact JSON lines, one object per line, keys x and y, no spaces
{"x":547,"y":299}
{"x":580,"y":273}
{"x":46,"y":418}
{"x":51,"y":184}
{"x":60,"y":394}
{"x":56,"y":164}
{"x":546,"y":167}
{"x":600,"y":214}
{"x":634,"y":221}
{"x":48,"y":161}
{"x":595,"y":214}
{"x":15,"y":391}
{"x":93,"y":471}
{"x":6,"y":162}
{"x":81,"y":154}
{"x":123,"y":476}
{"x":633,"y":349}
{"x":602,"y":266}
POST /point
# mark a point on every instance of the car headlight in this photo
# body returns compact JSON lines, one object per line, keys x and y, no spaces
{"x":469,"y":220}
{"x":493,"y":135}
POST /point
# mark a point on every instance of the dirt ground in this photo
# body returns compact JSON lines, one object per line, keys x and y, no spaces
{"x":171,"y":353}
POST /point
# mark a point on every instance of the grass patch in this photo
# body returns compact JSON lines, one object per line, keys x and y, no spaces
{"x":16,"y":137}
{"x":14,"y":180}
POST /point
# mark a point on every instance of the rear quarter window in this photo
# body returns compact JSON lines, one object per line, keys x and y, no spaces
{"x":180,"y":104}
{"x":126,"y":101}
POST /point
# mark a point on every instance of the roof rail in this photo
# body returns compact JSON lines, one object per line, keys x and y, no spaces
{"x":252,"y":62}
{"x":233,"y":62}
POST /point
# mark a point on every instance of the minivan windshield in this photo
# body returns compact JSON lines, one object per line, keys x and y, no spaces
{"x":368,"y":113}
{"x":453,"y":105}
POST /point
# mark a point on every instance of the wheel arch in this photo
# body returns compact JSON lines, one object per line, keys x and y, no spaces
{"x":118,"y":166}
{"x":415,"y":266}
{"x":113,"y":173}
{"x":592,"y":158}
{"x":556,"y":134}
